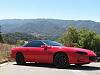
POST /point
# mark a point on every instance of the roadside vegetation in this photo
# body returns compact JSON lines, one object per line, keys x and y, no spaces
{"x":5,"y":51}
{"x":83,"y":38}
{"x":17,"y":38}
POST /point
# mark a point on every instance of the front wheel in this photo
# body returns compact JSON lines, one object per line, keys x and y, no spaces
{"x":61,"y":61}
{"x":20,"y":59}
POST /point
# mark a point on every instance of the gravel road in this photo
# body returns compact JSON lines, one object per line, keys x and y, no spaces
{"x":11,"y":68}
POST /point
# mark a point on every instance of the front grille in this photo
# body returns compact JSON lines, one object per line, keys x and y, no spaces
{"x":92,"y":58}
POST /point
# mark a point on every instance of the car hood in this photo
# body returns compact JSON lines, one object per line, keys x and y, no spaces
{"x":90,"y":52}
{"x":74,"y":49}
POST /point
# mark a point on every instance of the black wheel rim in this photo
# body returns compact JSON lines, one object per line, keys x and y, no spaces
{"x":61,"y":61}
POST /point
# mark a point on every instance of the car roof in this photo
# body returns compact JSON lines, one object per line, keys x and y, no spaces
{"x":39,"y":40}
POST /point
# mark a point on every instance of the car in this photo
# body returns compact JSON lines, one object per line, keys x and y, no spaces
{"x":52,"y":52}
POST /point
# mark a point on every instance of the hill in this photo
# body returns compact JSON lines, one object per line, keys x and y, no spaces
{"x":45,"y":26}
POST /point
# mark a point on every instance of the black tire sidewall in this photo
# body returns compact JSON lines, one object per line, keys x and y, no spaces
{"x":20,"y":59}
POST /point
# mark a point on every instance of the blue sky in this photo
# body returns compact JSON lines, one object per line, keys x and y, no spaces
{"x":56,"y":9}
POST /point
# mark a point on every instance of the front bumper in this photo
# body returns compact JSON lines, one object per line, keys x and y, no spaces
{"x":86,"y":59}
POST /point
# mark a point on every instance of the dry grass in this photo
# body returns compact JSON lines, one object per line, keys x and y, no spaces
{"x":5,"y":50}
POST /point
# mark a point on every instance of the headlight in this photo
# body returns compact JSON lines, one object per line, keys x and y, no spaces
{"x":82,"y":53}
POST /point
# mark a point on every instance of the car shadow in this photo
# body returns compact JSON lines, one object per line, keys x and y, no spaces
{"x":71,"y":67}
{"x":38,"y":65}
{"x":84,"y":67}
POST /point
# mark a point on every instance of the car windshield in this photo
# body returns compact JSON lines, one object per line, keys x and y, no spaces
{"x":52,"y":43}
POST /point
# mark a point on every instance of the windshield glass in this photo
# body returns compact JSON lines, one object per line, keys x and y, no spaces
{"x":52,"y":43}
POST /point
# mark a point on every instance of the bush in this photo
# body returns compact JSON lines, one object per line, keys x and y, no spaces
{"x":83,"y":38}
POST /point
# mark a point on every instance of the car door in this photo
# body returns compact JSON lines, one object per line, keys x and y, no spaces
{"x":35,"y":52}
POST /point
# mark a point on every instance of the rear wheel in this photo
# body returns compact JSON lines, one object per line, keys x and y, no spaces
{"x":20,"y":59}
{"x":61,"y":61}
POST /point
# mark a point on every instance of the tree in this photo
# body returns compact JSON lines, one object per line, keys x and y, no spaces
{"x":97,"y":44}
{"x":1,"y":39}
{"x":86,"y":39}
{"x":83,"y":38}
{"x":70,"y":37}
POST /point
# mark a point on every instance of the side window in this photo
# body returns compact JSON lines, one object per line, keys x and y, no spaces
{"x":28,"y":44}
{"x":37,"y":44}
{"x":34,"y":44}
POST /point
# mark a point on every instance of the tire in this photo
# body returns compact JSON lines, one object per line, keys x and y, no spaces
{"x":61,"y":61}
{"x":20,"y":60}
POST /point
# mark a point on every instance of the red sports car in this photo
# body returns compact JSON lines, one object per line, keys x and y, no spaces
{"x":46,"y":51}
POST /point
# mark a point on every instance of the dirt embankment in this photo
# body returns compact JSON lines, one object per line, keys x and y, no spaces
{"x":5,"y":50}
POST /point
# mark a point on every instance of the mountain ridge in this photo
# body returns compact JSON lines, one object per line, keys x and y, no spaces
{"x":45,"y":26}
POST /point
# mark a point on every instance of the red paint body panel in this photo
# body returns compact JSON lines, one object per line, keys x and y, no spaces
{"x":39,"y":54}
